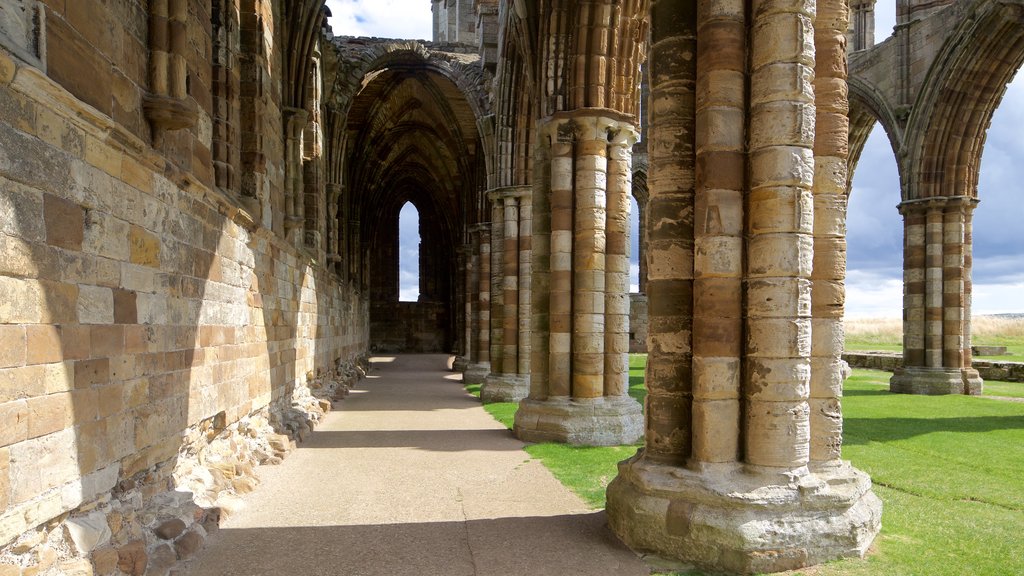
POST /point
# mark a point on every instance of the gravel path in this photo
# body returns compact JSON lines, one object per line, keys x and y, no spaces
{"x":409,"y":475}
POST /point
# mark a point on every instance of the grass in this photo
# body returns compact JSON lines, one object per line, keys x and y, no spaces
{"x":886,"y":335}
{"x":947,"y":468}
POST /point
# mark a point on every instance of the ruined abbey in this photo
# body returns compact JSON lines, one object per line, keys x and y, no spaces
{"x":199,"y":248}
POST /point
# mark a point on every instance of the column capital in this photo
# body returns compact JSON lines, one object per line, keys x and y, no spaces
{"x":937,"y":202}
{"x":590,"y":124}
{"x":521,"y":191}
{"x":481,"y":227}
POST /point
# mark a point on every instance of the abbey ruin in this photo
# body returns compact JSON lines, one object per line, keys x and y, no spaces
{"x":199,"y":248}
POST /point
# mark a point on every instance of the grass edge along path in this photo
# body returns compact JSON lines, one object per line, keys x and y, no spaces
{"x":947,"y":469}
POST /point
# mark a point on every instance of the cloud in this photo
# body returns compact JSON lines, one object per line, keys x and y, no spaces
{"x":408,"y":19}
{"x":875,"y":228}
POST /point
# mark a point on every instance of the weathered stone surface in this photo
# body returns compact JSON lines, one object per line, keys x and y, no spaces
{"x":170,"y":529}
{"x":132,"y":558}
{"x":88,"y":532}
{"x":188,"y":545}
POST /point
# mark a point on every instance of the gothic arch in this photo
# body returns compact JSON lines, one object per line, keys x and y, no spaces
{"x":965,"y":85}
{"x":868,"y":106}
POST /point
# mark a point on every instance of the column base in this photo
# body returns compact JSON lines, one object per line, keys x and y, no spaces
{"x":596,"y":422}
{"x":973,"y":384}
{"x":934,"y":381}
{"x":505,"y":388}
{"x":727,"y":518}
{"x":460,"y":364}
{"x":476,"y":373}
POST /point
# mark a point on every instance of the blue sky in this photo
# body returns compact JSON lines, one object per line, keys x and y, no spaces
{"x":875,"y":229}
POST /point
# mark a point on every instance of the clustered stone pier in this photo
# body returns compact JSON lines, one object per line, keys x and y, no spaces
{"x":201,"y":246}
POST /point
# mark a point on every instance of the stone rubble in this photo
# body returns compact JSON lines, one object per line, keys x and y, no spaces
{"x":156,"y":522}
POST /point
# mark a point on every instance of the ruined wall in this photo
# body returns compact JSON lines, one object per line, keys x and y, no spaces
{"x":145,"y":316}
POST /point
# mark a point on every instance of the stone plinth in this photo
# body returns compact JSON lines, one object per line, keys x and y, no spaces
{"x":935,"y":381}
{"x":602,"y":421}
{"x":476,"y":373}
{"x":725,"y":517}
{"x":460,"y":364}
{"x":505,"y":388}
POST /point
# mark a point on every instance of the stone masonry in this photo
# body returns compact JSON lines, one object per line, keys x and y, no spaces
{"x":933,"y":86}
{"x":199,"y":247}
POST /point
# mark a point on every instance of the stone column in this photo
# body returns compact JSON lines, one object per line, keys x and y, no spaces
{"x":936,"y":298}
{"x":497,"y":291}
{"x":828,"y":292}
{"x":334,"y":193}
{"x":509,"y":380}
{"x":480,"y":367}
{"x":727,"y":481}
{"x":464,"y":301}
{"x":972,"y":379}
{"x":574,"y":399}
{"x":295,"y":120}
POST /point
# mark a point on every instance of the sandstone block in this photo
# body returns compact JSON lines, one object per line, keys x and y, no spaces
{"x":161,"y":560}
{"x":132,"y":558}
{"x":7,"y":68}
{"x":188,"y":545}
{"x":170,"y":529}
{"x":21,"y":301}
{"x":88,"y":532}
{"x":105,"y":561}
{"x":12,"y":346}
{"x":5,"y":478}
{"x":43,"y":344}
{"x":145,"y":247}
{"x":65,"y":222}
{"x":23,"y":382}
{"x":48,"y":414}
{"x":95,"y":305}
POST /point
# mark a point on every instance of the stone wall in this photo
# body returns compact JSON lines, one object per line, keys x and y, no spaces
{"x":891,"y":361}
{"x":410,"y":327}
{"x":638,"y":323}
{"x":146,"y":318}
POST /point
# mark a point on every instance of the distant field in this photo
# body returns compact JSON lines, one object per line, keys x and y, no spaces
{"x":886,"y":335}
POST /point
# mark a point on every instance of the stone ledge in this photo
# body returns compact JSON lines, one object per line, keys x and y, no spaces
{"x":505,"y":388}
{"x":598,"y":422}
{"x":476,"y":373}
{"x":727,"y":517}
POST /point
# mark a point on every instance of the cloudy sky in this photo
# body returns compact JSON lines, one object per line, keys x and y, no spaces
{"x":875,"y":229}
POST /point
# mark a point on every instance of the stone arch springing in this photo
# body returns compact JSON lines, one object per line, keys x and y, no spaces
{"x":867,"y":107}
{"x":952,"y":114}
{"x":946,"y":136}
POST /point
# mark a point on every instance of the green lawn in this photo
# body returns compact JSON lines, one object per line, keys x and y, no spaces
{"x":949,"y":469}
{"x":894,"y":343}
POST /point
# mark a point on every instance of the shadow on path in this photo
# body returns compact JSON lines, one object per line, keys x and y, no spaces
{"x":408,"y":477}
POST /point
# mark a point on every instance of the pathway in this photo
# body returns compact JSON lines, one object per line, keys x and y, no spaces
{"x":409,"y":475}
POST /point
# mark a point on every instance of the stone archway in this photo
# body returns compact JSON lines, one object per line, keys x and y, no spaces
{"x":935,"y":86}
{"x":411,"y":134}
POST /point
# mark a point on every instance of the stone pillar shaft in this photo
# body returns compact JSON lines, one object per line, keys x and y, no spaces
{"x":718,"y":232}
{"x":525,"y":260}
{"x":560,"y":310}
{"x":584,"y":169}
{"x":510,"y":360}
{"x":936,"y":287}
{"x":933,"y":287}
{"x":669,"y":224}
{"x":510,"y":285}
{"x":724,"y":480}
{"x":616,"y":281}
{"x":588,"y":263}
{"x":484,"y":291}
{"x":828,"y":293}
{"x":953,"y":286}
{"x":497,"y":291}
{"x":780,"y":244}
